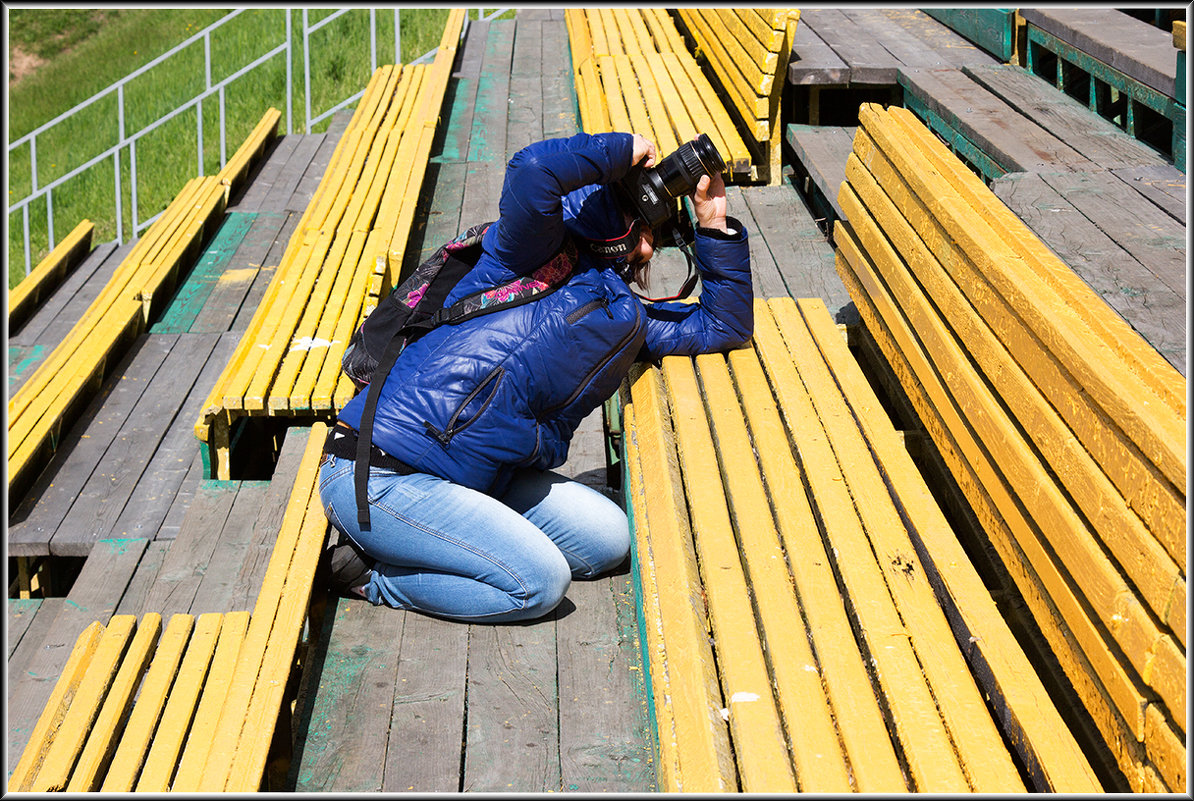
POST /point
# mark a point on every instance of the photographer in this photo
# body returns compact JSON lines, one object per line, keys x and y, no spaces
{"x":464,"y":518}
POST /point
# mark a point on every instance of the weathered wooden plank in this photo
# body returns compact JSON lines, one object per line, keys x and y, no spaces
{"x":182,"y":570}
{"x":867,"y":59}
{"x":804,"y":258}
{"x":813,"y":61}
{"x":602,"y":745}
{"x":218,"y":583}
{"x":1157,"y":312}
{"x":1013,"y":142}
{"x":103,"y":498}
{"x":994,"y":29}
{"x":54,"y":319}
{"x":41,"y":621}
{"x":1156,"y":241}
{"x":232,"y":285}
{"x":269,"y":265}
{"x":512,"y":738}
{"x":428,"y":708}
{"x":559,"y":96}
{"x":1165,"y":186}
{"x":21,"y":612}
{"x":955,"y":48}
{"x":269,"y":173}
{"x":524,"y":117}
{"x":1141,"y":51}
{"x":46,"y":504}
{"x":42,"y":280}
{"x":284,"y":188}
{"x":822,"y":151}
{"x":190,"y":297}
{"x":766,"y":278}
{"x":487,"y":142}
{"x":344,"y":750}
{"x":908,"y":48}
{"x":1096,"y":138}
{"x":93,"y":597}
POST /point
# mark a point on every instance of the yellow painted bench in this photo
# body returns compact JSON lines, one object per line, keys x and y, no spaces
{"x":135,"y":294}
{"x":1064,"y":429}
{"x":193,"y":707}
{"x":634,"y":73}
{"x":747,"y":50}
{"x":811,"y":622}
{"x":343,"y":257}
{"x":48,"y":274}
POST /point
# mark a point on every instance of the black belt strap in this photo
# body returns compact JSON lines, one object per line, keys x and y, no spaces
{"x":341,"y":442}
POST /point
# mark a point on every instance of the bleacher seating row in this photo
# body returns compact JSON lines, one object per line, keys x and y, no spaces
{"x":1063,"y":427}
{"x":747,"y":50}
{"x":633,"y":72}
{"x":344,"y":256}
{"x":817,"y":625}
{"x":193,"y":707}
{"x":48,"y":274}
{"x":52,"y":397}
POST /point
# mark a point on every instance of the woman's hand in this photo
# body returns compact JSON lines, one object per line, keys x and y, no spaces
{"x":709,"y":202}
{"x":643,"y":147}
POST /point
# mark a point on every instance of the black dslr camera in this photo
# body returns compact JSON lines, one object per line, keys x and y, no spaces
{"x":653,"y":193}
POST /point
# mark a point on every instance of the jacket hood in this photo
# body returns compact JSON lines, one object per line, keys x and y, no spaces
{"x":594,"y":214}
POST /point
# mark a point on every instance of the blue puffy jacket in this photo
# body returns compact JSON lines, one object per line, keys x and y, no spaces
{"x":473,"y":401}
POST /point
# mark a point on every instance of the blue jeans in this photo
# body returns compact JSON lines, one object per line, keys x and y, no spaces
{"x":453,"y":552}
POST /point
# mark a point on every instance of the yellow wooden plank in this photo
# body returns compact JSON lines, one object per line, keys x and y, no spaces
{"x":1053,"y":757}
{"x":750,"y":54}
{"x":323,"y":345}
{"x":656,"y":110}
{"x":259,"y":369}
{"x":761,"y":754}
{"x":985,"y":759}
{"x":1179,"y":34}
{"x":108,"y":725}
{"x":394,"y":195}
{"x":1159,"y":579}
{"x":612,"y":36}
{"x":234,"y":171}
{"x":346,"y":324}
{"x":261,"y":716}
{"x":873,"y":761}
{"x":1166,"y":748}
{"x":663,"y":29}
{"x":56,"y":708}
{"x":710,"y":117}
{"x":302,"y":339}
{"x":682,"y":126}
{"x":817,"y":755}
{"x":228,"y":736}
{"x":1161,"y":505}
{"x":927,"y":747}
{"x":180,"y":707}
{"x":1039,"y":590}
{"x":640,"y":121}
{"x":615,"y":101}
{"x":401,"y":234}
{"x":71,"y":735}
{"x":207,"y":716}
{"x":1122,"y":687}
{"x":693,"y":737}
{"x":594,"y":114}
{"x":749,"y":91}
{"x":768,"y":33}
{"x":143,"y":720}
{"x":1140,"y":413}
{"x":50,"y":270}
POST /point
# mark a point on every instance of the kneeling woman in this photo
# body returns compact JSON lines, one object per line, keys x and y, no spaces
{"x":467,"y":521}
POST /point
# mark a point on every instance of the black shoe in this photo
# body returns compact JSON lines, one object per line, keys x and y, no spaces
{"x":348,"y":567}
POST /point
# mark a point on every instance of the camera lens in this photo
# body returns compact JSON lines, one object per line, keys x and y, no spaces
{"x":679,"y":173}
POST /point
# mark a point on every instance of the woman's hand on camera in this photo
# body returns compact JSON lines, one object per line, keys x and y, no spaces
{"x":643,"y":148}
{"x":709,"y":202}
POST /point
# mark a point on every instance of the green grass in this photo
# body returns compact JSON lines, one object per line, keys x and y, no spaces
{"x":96,"y":48}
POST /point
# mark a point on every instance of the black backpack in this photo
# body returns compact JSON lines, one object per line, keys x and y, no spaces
{"x":415,"y":307}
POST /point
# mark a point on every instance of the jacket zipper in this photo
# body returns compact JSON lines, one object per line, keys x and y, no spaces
{"x":451,"y":429}
{"x":600,"y":303}
{"x":638,"y":324}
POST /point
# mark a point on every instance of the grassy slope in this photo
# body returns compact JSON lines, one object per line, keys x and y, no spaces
{"x":93,"y":51}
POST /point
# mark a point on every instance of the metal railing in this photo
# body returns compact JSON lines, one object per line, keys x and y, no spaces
{"x":127,"y":141}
